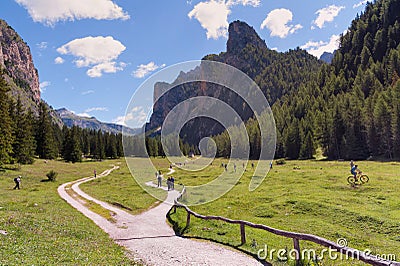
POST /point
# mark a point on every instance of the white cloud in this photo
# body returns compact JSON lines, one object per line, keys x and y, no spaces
{"x":326,"y":14}
{"x":89,"y":110}
{"x":43,"y":85}
{"x":87,"y":92}
{"x":318,"y":48}
{"x":143,"y":70}
{"x":84,"y":115}
{"x":120,"y":120}
{"x":106,"y":67}
{"x":213,"y":15}
{"x":360,"y":4}
{"x":277,"y":22}
{"x":49,"y":12}
{"x":41,"y":45}
{"x":97,"y":53}
{"x":135,"y":118}
{"x":254,"y":3}
{"x":58,"y":60}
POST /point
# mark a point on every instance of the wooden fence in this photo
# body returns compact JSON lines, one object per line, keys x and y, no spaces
{"x":350,"y":252}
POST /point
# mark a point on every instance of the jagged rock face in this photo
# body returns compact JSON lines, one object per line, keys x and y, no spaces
{"x":16,"y":58}
{"x":241,"y":35}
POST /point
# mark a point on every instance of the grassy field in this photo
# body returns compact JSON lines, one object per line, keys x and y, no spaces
{"x":307,"y":197}
{"x":121,"y":189}
{"x":42,"y":229}
{"x":301,"y":196}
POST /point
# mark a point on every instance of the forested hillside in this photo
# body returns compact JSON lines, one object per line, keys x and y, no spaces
{"x":352,"y":108}
{"x":349,"y":109}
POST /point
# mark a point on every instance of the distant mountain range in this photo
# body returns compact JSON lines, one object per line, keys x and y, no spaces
{"x":70,"y":119}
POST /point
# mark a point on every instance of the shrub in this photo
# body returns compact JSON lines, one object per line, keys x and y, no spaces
{"x":280,"y":161}
{"x":52,"y":175}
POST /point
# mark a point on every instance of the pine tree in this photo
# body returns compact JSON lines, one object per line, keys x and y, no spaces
{"x":71,"y":145}
{"x":99,"y":149}
{"x":382,"y":117}
{"x":24,"y":144}
{"x":6,"y":127}
{"x":46,"y":144}
{"x":396,"y":121}
{"x":292,"y":142}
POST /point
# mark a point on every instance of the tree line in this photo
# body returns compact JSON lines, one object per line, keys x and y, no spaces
{"x":25,"y":136}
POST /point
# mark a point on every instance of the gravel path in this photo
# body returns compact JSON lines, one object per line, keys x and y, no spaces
{"x":149,"y":236}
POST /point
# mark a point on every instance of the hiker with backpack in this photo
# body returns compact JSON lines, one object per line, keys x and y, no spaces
{"x":17,"y":181}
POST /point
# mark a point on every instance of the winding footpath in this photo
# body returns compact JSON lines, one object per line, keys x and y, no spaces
{"x":148,"y":236}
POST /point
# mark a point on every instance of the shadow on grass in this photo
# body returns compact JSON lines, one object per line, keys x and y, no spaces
{"x":180,"y":231}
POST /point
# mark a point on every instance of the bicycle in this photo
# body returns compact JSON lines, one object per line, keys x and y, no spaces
{"x":359,"y":180}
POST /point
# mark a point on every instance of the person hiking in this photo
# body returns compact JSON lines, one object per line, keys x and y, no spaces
{"x":159,"y":178}
{"x":169,"y":183}
{"x":17,"y":181}
{"x":172,"y":183}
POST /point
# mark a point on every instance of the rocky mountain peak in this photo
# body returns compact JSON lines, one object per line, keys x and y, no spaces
{"x":240,"y":35}
{"x":16,"y":59}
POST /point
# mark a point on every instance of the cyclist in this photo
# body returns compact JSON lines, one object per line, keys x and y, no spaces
{"x":354,"y":170}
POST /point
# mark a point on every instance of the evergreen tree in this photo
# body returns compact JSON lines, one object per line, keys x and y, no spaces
{"x":396,"y":121}
{"x":71,"y":146}
{"x":99,"y":149}
{"x":46,"y":144}
{"x":293,"y":140}
{"x":24,"y":143}
{"x":6,"y":125}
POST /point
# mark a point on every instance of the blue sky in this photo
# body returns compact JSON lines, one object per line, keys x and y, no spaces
{"x":93,"y":54}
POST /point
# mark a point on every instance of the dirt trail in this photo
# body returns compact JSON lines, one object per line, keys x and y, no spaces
{"x":149,"y":236}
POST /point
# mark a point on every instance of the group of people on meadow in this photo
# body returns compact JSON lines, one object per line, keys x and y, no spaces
{"x":170,"y":181}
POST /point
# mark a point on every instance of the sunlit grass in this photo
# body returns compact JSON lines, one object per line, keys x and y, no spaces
{"x":42,"y":229}
{"x":307,"y":197}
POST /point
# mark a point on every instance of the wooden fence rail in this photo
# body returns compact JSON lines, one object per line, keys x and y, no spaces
{"x":350,"y":252}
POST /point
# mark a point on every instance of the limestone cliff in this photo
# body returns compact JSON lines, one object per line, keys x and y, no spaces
{"x":16,"y":59}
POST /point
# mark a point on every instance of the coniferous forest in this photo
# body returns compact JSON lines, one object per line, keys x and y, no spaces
{"x":350,"y":108}
{"x":25,"y":136}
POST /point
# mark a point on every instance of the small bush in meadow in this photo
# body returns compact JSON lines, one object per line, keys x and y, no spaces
{"x":52,"y":175}
{"x":280,"y":161}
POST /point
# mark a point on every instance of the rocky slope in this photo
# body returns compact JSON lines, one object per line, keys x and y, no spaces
{"x":16,"y":59}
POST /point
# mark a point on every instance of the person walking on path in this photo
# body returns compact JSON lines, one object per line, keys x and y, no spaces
{"x":172,"y":183}
{"x":94,"y":173}
{"x":159,"y":179}
{"x":17,"y":181}
{"x":169,"y":183}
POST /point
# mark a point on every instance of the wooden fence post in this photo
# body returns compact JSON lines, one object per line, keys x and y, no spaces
{"x":298,"y":253}
{"x":242,"y":234}
{"x":188,"y":219}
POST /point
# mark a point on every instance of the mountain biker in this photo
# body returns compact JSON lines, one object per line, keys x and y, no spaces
{"x":354,"y":170}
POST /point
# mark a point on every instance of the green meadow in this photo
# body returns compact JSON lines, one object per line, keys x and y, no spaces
{"x":300,"y":196}
{"x":42,"y":229}
{"x":306,"y":197}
